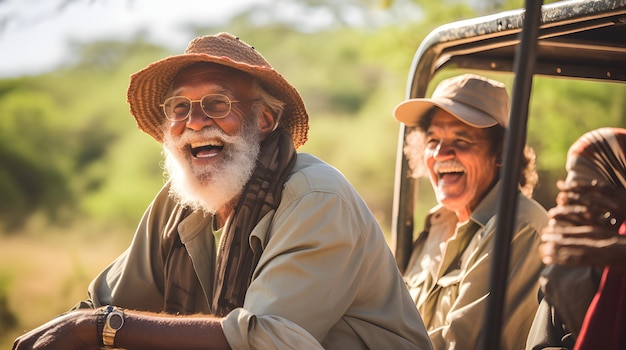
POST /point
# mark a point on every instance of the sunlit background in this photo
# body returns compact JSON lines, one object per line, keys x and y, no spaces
{"x":76,"y":175}
{"x":37,"y":36}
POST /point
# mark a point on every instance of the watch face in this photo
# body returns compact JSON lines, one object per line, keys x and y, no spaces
{"x":116,"y":321}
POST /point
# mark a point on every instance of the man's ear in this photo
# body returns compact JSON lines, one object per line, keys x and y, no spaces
{"x":266,"y":121}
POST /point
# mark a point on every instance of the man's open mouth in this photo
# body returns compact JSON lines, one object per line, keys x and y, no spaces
{"x":449,"y":169}
{"x":206,"y":148}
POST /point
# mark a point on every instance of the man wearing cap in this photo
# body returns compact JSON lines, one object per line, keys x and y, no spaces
{"x":249,"y":245}
{"x":457,"y":139}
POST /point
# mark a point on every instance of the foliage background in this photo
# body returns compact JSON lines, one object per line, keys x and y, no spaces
{"x":75,"y":175}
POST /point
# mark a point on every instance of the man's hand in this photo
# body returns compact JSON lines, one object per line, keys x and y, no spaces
{"x":583,"y":229}
{"x":73,"y":330}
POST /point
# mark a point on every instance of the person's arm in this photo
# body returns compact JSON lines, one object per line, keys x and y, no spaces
{"x":78,"y":330}
{"x":161,"y":331}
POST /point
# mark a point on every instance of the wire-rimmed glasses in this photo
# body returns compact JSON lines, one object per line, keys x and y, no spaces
{"x":215,"y":106}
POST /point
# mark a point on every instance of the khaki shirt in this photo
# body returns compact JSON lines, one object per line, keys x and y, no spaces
{"x":450,"y":284}
{"x":326,"y":276}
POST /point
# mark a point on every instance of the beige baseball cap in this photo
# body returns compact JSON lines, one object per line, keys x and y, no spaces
{"x":473,"y":99}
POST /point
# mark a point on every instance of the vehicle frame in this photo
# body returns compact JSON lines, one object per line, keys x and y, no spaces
{"x":578,"y":39}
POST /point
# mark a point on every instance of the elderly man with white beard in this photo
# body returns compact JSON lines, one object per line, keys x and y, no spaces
{"x":250,"y":244}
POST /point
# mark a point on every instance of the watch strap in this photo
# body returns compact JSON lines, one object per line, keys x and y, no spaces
{"x":113,"y":321}
{"x":101,"y":316}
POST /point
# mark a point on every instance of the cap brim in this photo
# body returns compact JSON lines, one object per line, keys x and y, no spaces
{"x":411,"y":111}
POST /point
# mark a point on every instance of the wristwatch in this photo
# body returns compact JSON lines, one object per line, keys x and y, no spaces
{"x":114,"y":320}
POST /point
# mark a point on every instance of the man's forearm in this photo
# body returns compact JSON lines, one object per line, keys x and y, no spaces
{"x":161,"y":331}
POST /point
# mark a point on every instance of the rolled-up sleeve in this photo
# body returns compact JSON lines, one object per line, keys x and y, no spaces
{"x":245,"y":330}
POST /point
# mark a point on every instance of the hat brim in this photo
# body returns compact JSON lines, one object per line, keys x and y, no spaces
{"x":411,"y":111}
{"x":149,"y":86}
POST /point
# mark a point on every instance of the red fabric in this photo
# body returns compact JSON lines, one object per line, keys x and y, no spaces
{"x":604,"y":326}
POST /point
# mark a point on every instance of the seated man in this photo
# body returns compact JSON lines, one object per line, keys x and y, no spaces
{"x":585,"y":250}
{"x":458,"y":141}
{"x":249,"y":245}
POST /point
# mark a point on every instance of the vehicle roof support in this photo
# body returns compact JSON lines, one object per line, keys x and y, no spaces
{"x":514,"y":142}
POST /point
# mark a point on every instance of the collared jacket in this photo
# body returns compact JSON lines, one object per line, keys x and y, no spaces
{"x":326,"y":277}
{"x":448,"y":273}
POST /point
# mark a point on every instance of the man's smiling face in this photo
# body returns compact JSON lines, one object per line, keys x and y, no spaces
{"x":460,"y":161}
{"x":209,"y":160}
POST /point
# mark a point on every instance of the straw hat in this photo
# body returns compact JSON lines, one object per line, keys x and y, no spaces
{"x":148,"y":87}
{"x":473,"y":99}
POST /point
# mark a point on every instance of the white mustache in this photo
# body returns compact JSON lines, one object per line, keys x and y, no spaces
{"x":190,"y":137}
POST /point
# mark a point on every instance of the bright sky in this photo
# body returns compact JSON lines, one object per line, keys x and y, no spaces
{"x":34,"y":33}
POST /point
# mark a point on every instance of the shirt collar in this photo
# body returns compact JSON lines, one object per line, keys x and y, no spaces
{"x":487,"y":208}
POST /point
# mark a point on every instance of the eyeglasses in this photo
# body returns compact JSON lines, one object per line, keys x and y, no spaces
{"x":214,"y":106}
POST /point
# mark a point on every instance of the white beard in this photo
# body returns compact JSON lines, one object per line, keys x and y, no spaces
{"x":211,"y":187}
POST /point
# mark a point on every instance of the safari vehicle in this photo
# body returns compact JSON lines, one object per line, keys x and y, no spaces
{"x":579,"y":39}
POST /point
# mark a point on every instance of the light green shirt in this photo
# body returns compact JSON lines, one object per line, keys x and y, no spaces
{"x":326,"y":277}
{"x":451,"y":293}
